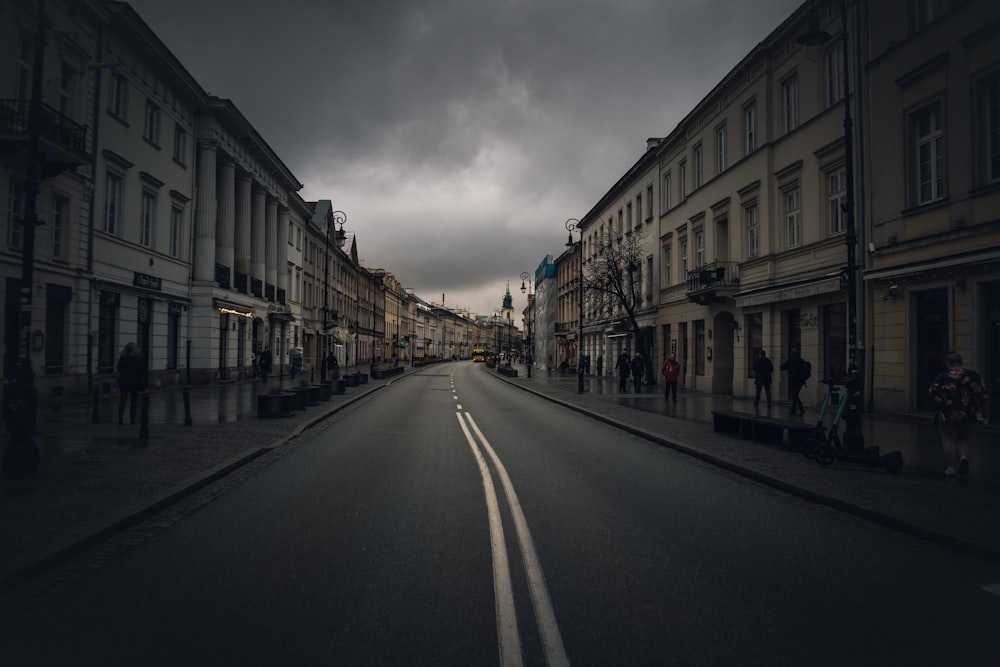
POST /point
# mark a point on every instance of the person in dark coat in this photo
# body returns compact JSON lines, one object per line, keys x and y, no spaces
{"x":131,"y":380}
{"x":796,"y":367}
{"x":763,"y":370}
{"x":264,"y":362}
{"x":638,"y":368}
{"x":623,"y":368}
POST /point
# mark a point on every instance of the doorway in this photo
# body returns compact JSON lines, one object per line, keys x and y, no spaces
{"x":930,"y":309}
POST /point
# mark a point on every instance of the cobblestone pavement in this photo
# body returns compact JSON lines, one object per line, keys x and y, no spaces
{"x":96,"y":478}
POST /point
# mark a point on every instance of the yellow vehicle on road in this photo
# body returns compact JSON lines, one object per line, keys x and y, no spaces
{"x":478,"y":354}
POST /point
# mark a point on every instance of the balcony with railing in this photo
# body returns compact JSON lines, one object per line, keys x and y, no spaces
{"x":63,"y":141}
{"x":713,"y":282}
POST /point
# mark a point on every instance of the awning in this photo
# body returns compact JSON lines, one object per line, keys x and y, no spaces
{"x":915,"y":268}
{"x":789,"y":291}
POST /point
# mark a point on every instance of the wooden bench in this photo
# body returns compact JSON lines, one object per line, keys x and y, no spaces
{"x":761,"y":428}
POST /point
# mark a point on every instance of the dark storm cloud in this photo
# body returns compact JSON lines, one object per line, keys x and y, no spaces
{"x":459,"y":135}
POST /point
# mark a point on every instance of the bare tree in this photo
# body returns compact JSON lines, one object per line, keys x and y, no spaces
{"x":612,"y":282}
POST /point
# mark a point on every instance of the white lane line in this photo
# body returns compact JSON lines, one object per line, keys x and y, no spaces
{"x":992,"y":588}
{"x":458,"y":407}
{"x":545,"y":617}
{"x":507,"y":634}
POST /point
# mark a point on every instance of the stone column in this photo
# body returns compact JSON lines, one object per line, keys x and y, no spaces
{"x":241,"y":260}
{"x":257,"y":238}
{"x":204,"y":239}
{"x":225,"y":237}
{"x":271,"y":241}
{"x":282,"y":260}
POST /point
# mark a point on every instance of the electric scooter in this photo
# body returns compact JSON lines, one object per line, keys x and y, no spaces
{"x":826,"y":446}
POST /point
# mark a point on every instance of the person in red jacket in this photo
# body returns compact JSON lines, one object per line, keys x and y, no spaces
{"x":671,"y":373}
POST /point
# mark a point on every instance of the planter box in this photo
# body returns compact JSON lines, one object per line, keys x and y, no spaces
{"x":339,"y":386}
{"x":314,"y":394}
{"x":301,"y":397}
{"x":275,"y":405}
{"x":325,"y":390}
{"x":363,"y":378}
{"x":352,"y":379}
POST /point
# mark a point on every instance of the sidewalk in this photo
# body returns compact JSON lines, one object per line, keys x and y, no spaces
{"x":97,"y":478}
{"x":963,"y":513}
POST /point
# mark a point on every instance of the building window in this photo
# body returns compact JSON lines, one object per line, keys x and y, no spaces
{"x":649,"y":202}
{"x":989,"y":128}
{"x":15,"y":214}
{"x":628,"y":217}
{"x":790,"y":103}
{"x":60,"y":213}
{"x":148,"y":218}
{"x":291,"y":233}
{"x":698,"y":160}
{"x":755,"y":340}
{"x":834,"y":66}
{"x":621,"y":225}
{"x":924,"y":12}
{"x":176,"y":225}
{"x":151,"y":124}
{"x":649,"y":278}
{"x":68,"y":77}
{"x":668,"y":266}
{"x":699,"y":248}
{"x":23,"y":68}
{"x":720,"y":150}
{"x":118,"y":96}
{"x":113,"y":204}
{"x":836,"y":187}
{"x":107,"y":322}
{"x":682,"y":170}
{"x":666,"y":191}
{"x":749,"y":128}
{"x":684,"y":258}
{"x":753,"y":231}
{"x":173,"y":337}
{"x":793,"y":220}
{"x":928,"y":149}
{"x":180,"y":144}
{"x":298,"y":238}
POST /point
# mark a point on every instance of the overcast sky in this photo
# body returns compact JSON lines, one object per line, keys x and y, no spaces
{"x":459,"y":135}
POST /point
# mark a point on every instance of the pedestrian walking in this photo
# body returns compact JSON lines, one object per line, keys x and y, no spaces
{"x":671,"y":372}
{"x":131,"y":380}
{"x":962,"y":400}
{"x":762,"y":371}
{"x":265,"y":365}
{"x":624,"y":369}
{"x":638,"y":368}
{"x":799,"y":371}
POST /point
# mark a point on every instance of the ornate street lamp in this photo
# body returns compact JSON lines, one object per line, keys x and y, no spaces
{"x":813,"y":39}
{"x":334,"y":218}
{"x":529,"y":355}
{"x":573,"y":225}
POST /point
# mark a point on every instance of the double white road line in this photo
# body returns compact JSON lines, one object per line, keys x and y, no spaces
{"x":507,"y":632}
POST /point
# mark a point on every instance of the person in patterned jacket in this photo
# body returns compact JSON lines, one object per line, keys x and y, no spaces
{"x":962,"y":400}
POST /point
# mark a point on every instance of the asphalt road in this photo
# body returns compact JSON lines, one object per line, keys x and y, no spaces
{"x":454,"y":520}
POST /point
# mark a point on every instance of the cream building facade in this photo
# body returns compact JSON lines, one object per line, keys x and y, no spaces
{"x":933,"y":168}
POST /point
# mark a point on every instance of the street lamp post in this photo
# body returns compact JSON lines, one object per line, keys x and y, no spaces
{"x":335,"y":218}
{"x":529,"y":355}
{"x":20,"y":400}
{"x":573,"y":225}
{"x":816,"y":37}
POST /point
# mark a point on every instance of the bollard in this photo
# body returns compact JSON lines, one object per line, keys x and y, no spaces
{"x":187,"y":407}
{"x":144,"y":419}
{"x":95,"y":413}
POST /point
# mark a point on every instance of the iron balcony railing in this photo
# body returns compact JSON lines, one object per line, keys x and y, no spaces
{"x":713,"y":281}
{"x":54,"y":126}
